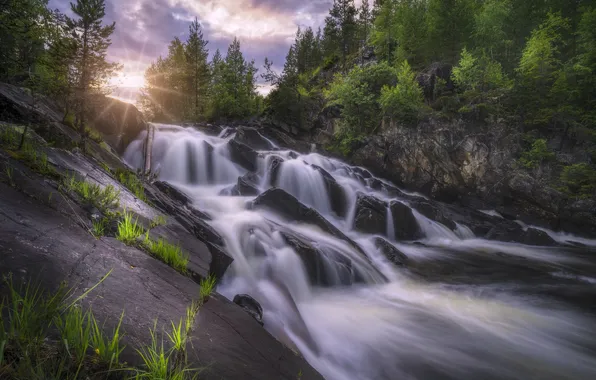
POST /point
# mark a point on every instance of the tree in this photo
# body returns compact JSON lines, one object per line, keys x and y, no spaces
{"x":92,"y":41}
{"x":364,"y":22}
{"x":197,"y":69}
{"x":405,"y":100}
{"x":343,"y":19}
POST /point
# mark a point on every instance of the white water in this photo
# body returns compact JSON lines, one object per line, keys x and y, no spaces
{"x":389,"y":324}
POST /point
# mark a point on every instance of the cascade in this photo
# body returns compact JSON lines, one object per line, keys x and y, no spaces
{"x":350,"y":311}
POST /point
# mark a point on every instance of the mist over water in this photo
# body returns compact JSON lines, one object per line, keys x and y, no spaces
{"x":463,"y":308}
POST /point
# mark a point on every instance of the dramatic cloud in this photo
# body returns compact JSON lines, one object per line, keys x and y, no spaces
{"x":144,"y":28}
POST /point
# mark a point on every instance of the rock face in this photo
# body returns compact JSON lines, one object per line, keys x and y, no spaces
{"x":18,"y":104}
{"x":118,"y":121}
{"x":371,"y":215}
{"x":247,"y":185}
{"x":251,"y":306}
{"x":390,"y":252}
{"x":336,"y":193}
{"x":406,"y":226}
{"x":252,"y":138}
{"x":243,"y":155}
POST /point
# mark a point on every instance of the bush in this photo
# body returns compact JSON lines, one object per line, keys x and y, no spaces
{"x":405,"y":100}
{"x":537,"y":155}
{"x":579,"y":180}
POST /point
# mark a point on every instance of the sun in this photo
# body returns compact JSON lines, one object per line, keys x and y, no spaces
{"x":128,"y":80}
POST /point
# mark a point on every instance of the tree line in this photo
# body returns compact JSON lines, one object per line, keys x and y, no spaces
{"x":56,"y":55}
{"x":530,"y":64}
{"x":185,"y":85}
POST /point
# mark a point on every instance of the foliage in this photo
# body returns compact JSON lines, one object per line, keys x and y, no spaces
{"x":132,"y":182}
{"x":104,"y":199}
{"x":98,"y":227}
{"x":129,"y":230}
{"x":207,"y":286}
{"x":579,"y":180}
{"x":106,"y":348}
{"x":538,"y":154}
{"x":168,"y":253}
{"x":159,"y":220}
{"x":404,"y":100}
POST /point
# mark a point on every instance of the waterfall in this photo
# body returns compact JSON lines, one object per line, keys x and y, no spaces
{"x":460,"y":308}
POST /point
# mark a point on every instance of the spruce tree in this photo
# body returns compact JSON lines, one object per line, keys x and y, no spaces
{"x":197,"y":69}
{"x":92,"y":39}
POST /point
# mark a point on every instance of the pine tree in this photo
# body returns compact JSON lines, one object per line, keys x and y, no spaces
{"x":93,"y":40}
{"x":197,"y":69}
{"x":364,"y":22}
{"x":343,"y":13}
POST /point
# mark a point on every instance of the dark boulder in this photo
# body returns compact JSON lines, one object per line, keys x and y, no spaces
{"x":390,"y":252}
{"x":172,"y":192}
{"x":251,"y":306}
{"x":327,"y":268}
{"x":534,"y":236}
{"x":243,"y":155}
{"x":434,"y":212}
{"x":371,"y":215}
{"x":337,"y":194}
{"x":406,"y":225}
{"x":507,"y":232}
{"x":247,"y":185}
{"x":252,"y":138}
{"x":273,"y":169}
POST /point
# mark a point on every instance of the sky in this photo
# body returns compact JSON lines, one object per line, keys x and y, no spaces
{"x":144,"y":28}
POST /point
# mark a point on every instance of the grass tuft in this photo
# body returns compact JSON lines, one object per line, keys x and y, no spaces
{"x":106,"y":348}
{"x":104,"y":199}
{"x":207,"y":286}
{"x":168,"y":253}
{"x":132,"y":183}
{"x":159,"y":220}
{"x":129,"y":230}
{"x":98,"y":228}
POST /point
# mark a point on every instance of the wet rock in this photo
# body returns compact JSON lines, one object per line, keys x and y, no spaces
{"x":371,"y":215}
{"x":173,"y":192}
{"x":506,"y":232}
{"x":323,"y":269}
{"x":251,"y":306}
{"x":243,"y":155}
{"x":534,"y":236}
{"x":252,"y":138}
{"x":406,"y":226}
{"x":273,"y":169}
{"x":391,"y":253}
{"x":434,"y":212}
{"x":336,"y":193}
{"x":247,"y":185}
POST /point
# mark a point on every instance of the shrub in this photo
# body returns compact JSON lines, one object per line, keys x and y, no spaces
{"x":405,"y":100}
{"x":579,"y":180}
{"x":538,"y":154}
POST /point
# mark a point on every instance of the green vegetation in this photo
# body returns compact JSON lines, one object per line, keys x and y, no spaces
{"x":132,"y":182}
{"x":98,"y":226}
{"x":528,"y":68}
{"x":207,"y":286}
{"x":44,"y":335}
{"x":129,"y":230}
{"x":104,"y":199}
{"x":579,"y":180}
{"x":168,"y":253}
{"x":185,"y":86}
{"x":159,"y":220}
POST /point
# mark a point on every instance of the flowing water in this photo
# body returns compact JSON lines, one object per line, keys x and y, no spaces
{"x":463,"y":308}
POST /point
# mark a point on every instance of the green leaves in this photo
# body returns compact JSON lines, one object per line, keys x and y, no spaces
{"x":403,"y":101}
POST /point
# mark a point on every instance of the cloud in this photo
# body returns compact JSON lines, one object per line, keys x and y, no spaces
{"x":266,"y":28}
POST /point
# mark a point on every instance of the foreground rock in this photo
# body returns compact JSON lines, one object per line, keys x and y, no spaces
{"x":371,"y":215}
{"x":251,"y":306}
{"x":41,"y":244}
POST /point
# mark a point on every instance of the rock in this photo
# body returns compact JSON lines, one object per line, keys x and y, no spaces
{"x":406,"y":226}
{"x":337,"y":194}
{"x":173,"y":192}
{"x":434,"y":212}
{"x":507,"y":232}
{"x":578,"y":217}
{"x":251,"y":306}
{"x":391,"y":253}
{"x":47,"y":247}
{"x":243,"y":155}
{"x":273,"y":169}
{"x":534,"y":236}
{"x":323,"y":269}
{"x":116,"y":120}
{"x":371,"y":215}
{"x":252,"y":138}
{"x":247,"y":185}
{"x":16,"y":104}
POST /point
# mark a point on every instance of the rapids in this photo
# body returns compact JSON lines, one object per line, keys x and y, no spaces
{"x":465,"y":308}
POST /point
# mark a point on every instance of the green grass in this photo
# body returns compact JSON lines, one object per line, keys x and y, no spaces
{"x":93,"y":135}
{"x":207,"y":286}
{"x":10,"y":175}
{"x":168,"y":253}
{"x":104,"y":199}
{"x":159,"y":220}
{"x":98,"y":227}
{"x":132,"y":183}
{"x":9,"y":136}
{"x":35,"y":159}
{"x":129,"y":230}
{"x":106,"y":348}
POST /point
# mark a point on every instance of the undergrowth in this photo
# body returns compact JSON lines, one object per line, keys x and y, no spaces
{"x":168,"y":253}
{"x":128,"y":229}
{"x":104,"y":199}
{"x":132,"y":183}
{"x":48,"y":335}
